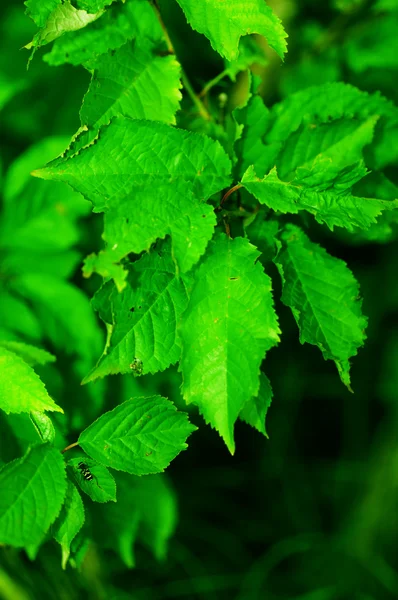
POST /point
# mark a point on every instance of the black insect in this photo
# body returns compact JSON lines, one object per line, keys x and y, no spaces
{"x":85,"y":471}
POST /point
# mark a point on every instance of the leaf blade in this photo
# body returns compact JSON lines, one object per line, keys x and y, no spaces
{"x":21,"y":390}
{"x":141,"y":436}
{"x":224,"y":23}
{"x":33,"y":490}
{"x":228,"y":326}
{"x":324,"y":298}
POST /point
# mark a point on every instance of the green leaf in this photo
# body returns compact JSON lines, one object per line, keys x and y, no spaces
{"x":162,"y":187}
{"x":69,"y":522}
{"x":30,"y":354}
{"x":250,"y":52}
{"x":158,"y":211}
{"x":78,"y":550}
{"x":335,"y":206}
{"x":225,"y":22}
{"x":116,"y":165}
{"x":324,"y":298}
{"x":324,"y":104}
{"x":62,"y":19}
{"x":321,"y":104}
{"x":386,"y":228}
{"x":144,"y":317}
{"x":43,"y":426}
{"x":146,"y":510}
{"x":255,"y":410}
{"x":134,"y":19}
{"x":18,"y":317}
{"x":39,"y":215}
{"x":65,"y":313}
{"x":250,"y":147}
{"x":21,"y":390}
{"x":228,"y":326}
{"x":132,"y":82}
{"x":93,"y":6}
{"x":40,"y":10}
{"x":327,"y":147}
{"x":140,"y":436}
{"x":262,"y":234}
{"x":102,"y":488}
{"x":29,"y":430}
{"x":32,"y":492}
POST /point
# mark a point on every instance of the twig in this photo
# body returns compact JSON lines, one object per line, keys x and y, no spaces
{"x":204,"y":113}
{"x":229,"y":192}
{"x":69,"y":447}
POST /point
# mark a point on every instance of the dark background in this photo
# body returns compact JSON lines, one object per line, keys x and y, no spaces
{"x":311,"y":513}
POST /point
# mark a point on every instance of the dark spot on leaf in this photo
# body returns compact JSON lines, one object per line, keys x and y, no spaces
{"x":66,"y":54}
{"x":132,"y":309}
{"x":233,"y":278}
{"x":204,"y":216}
{"x":127,"y":220}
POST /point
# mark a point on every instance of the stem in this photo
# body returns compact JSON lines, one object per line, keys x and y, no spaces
{"x":227,"y":227}
{"x":231,"y":191}
{"x":69,"y":447}
{"x":213,"y":82}
{"x":204,"y":113}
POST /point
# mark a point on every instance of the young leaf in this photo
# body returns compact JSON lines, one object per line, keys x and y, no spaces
{"x":145,"y":510}
{"x":228,"y":326}
{"x":131,"y":153}
{"x":333,"y":204}
{"x":324,"y":297}
{"x":323,"y":104}
{"x":225,"y":22}
{"x":30,"y":354}
{"x":101,"y":488}
{"x":255,"y":410}
{"x":121,"y":22}
{"x":132,"y":82}
{"x":140,"y":436}
{"x":144,"y":317}
{"x":69,"y":522}
{"x":32,"y":492}
{"x":43,"y":426}
{"x":21,"y":390}
{"x":325,"y":146}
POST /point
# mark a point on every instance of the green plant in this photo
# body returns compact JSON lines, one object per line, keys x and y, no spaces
{"x":202,"y":208}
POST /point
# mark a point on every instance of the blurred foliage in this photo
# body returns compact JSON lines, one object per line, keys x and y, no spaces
{"x":310,"y":514}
